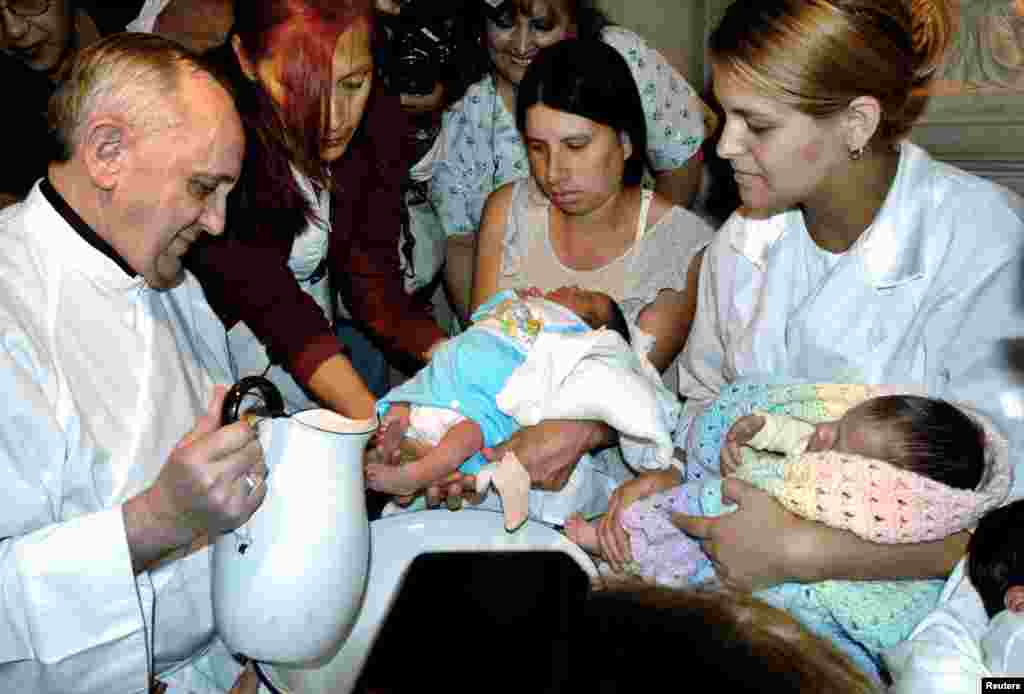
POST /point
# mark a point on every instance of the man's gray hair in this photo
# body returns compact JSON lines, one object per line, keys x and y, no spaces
{"x":131,"y":75}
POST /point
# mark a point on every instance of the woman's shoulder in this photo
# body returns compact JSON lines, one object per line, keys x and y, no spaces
{"x":501,"y":198}
{"x":923,"y":175}
{"x":665,"y":218}
{"x":477,"y":95}
{"x":665,"y":251}
{"x":622,"y":39}
{"x":940,"y":195}
{"x":640,"y":55}
{"x":466,"y":118}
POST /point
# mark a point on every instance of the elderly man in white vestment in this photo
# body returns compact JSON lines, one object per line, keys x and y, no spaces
{"x":114,"y":469}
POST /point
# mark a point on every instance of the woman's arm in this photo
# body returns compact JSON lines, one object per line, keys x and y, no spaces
{"x":490,"y":247}
{"x":251,"y":282}
{"x":460,"y":255}
{"x":681,"y":185}
{"x":366,"y":230}
{"x":762,"y":544}
{"x":338,"y":385}
{"x":669,"y":318}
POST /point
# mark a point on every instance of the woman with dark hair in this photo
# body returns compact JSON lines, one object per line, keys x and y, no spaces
{"x":315,"y":216}
{"x":480,"y":149}
{"x":582,"y":218}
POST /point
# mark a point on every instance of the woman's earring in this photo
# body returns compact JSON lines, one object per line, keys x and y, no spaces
{"x":856,"y":153}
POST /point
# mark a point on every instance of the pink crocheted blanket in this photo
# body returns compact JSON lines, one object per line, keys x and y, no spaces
{"x":871,"y":498}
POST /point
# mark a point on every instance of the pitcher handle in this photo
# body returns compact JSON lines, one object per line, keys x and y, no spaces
{"x":259,"y":386}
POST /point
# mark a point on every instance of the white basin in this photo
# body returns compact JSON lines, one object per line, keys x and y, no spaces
{"x":395,"y":542}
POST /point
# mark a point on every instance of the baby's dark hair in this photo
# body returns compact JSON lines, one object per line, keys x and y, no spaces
{"x":934,"y":438}
{"x":995,"y":555}
{"x":617,"y":320}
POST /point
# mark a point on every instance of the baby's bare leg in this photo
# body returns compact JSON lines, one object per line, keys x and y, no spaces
{"x":393,"y":426}
{"x":462,"y":440}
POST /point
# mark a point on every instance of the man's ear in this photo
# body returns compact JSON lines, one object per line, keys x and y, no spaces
{"x":1015,"y":599}
{"x":861,"y":120}
{"x":104,"y":150}
{"x":243,"y":58}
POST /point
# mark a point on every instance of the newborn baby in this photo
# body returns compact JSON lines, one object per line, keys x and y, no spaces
{"x":438,"y":421}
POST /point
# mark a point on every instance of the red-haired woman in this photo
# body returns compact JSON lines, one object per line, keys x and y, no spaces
{"x":315,"y":215}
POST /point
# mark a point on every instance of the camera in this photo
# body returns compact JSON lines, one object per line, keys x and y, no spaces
{"x":421,"y":45}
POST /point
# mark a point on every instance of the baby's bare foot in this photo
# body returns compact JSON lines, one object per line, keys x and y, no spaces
{"x":389,"y":438}
{"x":390,"y":479}
{"x":583,"y":533}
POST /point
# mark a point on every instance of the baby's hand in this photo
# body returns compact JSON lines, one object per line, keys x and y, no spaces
{"x":740,"y":433}
{"x":393,"y":426}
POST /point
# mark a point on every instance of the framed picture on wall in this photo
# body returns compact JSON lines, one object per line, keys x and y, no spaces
{"x":976,"y":102}
{"x":976,"y":105}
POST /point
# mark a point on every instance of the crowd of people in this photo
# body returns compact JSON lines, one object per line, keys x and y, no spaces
{"x":218,"y":190}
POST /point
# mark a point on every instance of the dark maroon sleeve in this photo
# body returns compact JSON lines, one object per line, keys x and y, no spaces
{"x":251,"y":282}
{"x":368,"y":215}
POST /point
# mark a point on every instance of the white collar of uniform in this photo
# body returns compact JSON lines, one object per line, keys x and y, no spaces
{"x":65,"y":235}
{"x":892,"y":248}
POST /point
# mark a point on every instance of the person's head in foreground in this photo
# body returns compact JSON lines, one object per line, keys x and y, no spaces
{"x":995,"y":559}
{"x":924,"y":435}
{"x":151,"y":144}
{"x":732,"y":640}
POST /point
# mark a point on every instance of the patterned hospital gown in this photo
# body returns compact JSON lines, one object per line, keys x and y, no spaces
{"x":480,"y":147}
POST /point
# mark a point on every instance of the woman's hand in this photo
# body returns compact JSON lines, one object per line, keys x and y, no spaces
{"x":760,"y":545}
{"x":613,"y":542}
{"x":740,"y":433}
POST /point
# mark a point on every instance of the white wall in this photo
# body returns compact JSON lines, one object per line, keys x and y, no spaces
{"x":674,"y":27}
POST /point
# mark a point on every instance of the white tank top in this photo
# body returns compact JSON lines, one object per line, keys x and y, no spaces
{"x":543,"y":269}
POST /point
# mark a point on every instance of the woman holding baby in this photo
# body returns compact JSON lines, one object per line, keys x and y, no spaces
{"x":583,"y":219}
{"x":856,"y":258}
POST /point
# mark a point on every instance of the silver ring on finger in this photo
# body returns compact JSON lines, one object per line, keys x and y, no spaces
{"x":250,"y":483}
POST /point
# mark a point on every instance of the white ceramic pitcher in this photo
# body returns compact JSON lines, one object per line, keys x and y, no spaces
{"x":289,"y":583}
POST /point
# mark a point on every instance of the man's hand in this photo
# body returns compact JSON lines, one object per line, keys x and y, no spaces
{"x":757,"y":546}
{"x":211,"y":483}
